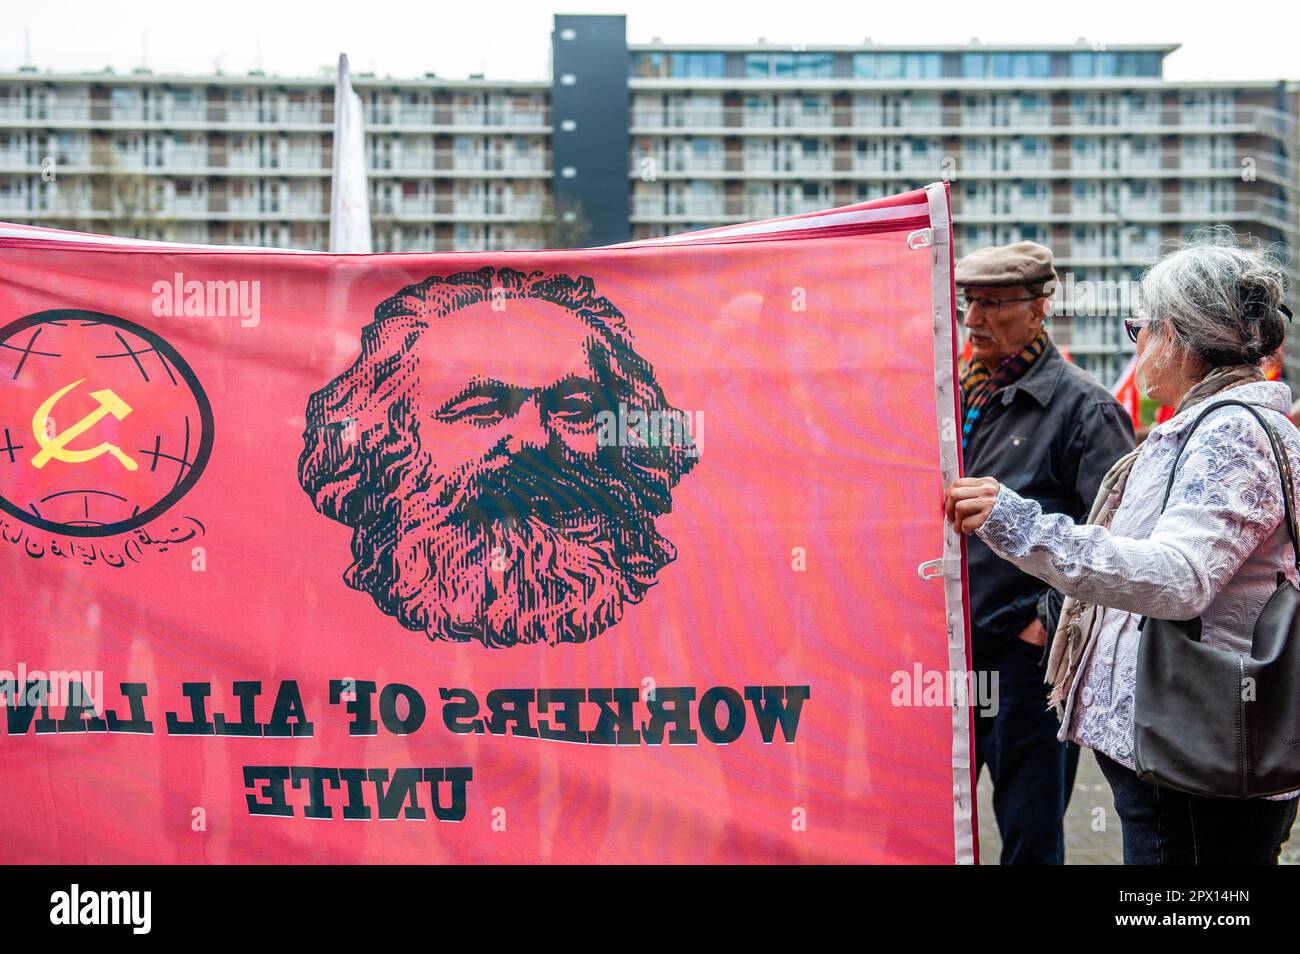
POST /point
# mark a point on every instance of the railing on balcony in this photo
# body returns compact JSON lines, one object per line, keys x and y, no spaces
{"x":272,"y":113}
{"x":964,"y":118}
{"x":534,"y":117}
{"x":459,"y":161}
{"x":719,"y":207}
{"x":517,"y":207}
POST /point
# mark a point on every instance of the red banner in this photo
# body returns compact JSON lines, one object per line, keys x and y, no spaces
{"x":630,"y":554}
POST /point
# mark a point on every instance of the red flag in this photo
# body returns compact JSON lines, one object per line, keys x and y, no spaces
{"x":1274,"y":364}
{"x":617,"y":554}
{"x":1126,"y":391}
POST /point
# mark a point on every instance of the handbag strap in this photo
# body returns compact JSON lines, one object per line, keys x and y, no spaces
{"x":1279,"y":454}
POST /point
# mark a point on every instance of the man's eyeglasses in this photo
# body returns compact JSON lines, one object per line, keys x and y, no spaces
{"x":990,"y":305}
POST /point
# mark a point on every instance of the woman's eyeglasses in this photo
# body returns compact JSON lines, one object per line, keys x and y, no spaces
{"x":1132,"y":326}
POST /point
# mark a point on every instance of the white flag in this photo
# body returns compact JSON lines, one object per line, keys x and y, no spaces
{"x":349,"y":194}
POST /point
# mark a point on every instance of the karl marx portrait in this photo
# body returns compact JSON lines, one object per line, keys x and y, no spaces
{"x":468,"y":449}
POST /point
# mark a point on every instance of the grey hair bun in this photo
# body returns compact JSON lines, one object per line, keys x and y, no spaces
{"x":1218,"y":300}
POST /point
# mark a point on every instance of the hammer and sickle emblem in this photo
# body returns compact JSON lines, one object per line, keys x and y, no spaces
{"x":57,"y":448}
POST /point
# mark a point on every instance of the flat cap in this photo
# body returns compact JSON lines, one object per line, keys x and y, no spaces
{"x":1021,"y":263}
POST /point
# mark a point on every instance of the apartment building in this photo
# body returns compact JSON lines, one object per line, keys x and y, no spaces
{"x":247,"y":159}
{"x":1088,"y":150}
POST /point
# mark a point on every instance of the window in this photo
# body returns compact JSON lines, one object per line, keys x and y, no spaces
{"x":697,"y":65}
{"x":1006,"y":65}
{"x":974,"y":65}
{"x":897,"y":65}
{"x":757,"y":64}
{"x":1148,"y":64}
{"x":923,"y":65}
{"x":800,"y":65}
{"x":648,"y":65}
{"x":1129,"y":64}
{"x":1031,"y":65}
{"x":1086,"y":65}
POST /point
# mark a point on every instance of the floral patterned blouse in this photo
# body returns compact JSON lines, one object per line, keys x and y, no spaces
{"x":1215,"y":552}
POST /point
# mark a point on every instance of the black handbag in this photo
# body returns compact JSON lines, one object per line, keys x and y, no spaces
{"x":1211,"y":721}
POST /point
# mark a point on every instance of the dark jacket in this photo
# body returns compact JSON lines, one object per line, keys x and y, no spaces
{"x":1051,"y":436}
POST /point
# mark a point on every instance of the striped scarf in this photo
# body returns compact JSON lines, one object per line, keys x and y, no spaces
{"x":979,"y":383}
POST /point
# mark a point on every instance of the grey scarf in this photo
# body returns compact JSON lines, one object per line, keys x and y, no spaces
{"x":1076,"y":630}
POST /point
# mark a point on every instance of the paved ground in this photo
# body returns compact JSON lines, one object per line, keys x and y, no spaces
{"x":1091,"y":828}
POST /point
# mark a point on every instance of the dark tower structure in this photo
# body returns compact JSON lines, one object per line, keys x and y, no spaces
{"x":589,"y":119}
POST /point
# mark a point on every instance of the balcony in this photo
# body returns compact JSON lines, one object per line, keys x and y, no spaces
{"x":682,"y":207}
{"x":709,"y":208}
{"x":530,"y":118}
{"x":305,"y":205}
{"x":1111,"y":162}
{"x":1002,"y":208}
{"x":22,"y":205}
{"x":879,"y":117}
{"x":304,"y":160}
{"x":909,"y":165}
{"x":73,"y":111}
{"x":269,"y":114}
{"x":1106,"y":252}
{"x":192,"y":160}
{"x":1232,"y":208}
{"x":797,"y":165}
{"x":281,"y":206}
{"x":518,"y":208}
{"x":186,"y":205}
{"x":1019,"y":164}
{"x":684,"y":163}
{"x":793,"y":118}
{"x":1006,"y":119}
{"x":1056,"y":120}
{"x":735,"y":163}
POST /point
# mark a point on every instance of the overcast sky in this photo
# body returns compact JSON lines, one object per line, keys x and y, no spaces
{"x":509,"y":39}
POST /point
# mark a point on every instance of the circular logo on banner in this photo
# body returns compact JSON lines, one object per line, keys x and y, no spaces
{"x":103,"y":426}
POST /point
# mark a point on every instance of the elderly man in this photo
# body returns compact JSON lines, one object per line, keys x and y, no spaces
{"x":1049,"y":431}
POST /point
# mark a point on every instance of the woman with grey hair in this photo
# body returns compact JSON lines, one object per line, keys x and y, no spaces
{"x":1210,"y":314}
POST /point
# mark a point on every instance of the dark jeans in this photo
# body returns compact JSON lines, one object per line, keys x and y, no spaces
{"x":1164,"y":827}
{"x":1033,"y":773}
